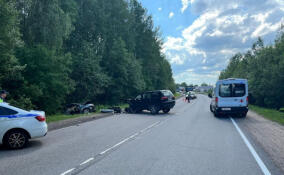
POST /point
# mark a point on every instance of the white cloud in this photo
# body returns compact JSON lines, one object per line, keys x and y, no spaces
{"x":185,"y":4}
{"x":160,"y":9}
{"x":173,"y":44}
{"x":171,"y":15}
{"x":221,"y":29}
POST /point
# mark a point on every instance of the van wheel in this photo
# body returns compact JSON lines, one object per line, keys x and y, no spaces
{"x":211,"y":108}
{"x":215,"y":114}
{"x":166,"y":110}
{"x":16,"y":139}
{"x":243,"y":115}
{"x":154,"y":109}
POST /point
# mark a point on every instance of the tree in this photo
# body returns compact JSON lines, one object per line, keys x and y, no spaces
{"x":263,"y":67}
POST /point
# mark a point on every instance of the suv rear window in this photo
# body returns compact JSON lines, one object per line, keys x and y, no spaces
{"x":167,"y":93}
{"x":232,"y":90}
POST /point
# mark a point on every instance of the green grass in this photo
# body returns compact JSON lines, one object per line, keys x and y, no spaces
{"x":59,"y":117}
{"x":177,"y":95}
{"x":270,"y":114}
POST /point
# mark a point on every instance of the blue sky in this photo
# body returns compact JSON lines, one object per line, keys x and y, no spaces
{"x":200,"y":36}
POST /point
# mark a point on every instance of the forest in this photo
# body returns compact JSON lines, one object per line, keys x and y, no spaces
{"x":263,"y":66}
{"x":57,"y":52}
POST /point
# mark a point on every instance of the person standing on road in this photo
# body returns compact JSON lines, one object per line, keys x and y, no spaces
{"x":3,"y":95}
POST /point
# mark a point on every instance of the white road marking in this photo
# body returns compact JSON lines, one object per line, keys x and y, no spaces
{"x":118,"y":144}
{"x":90,"y":159}
{"x":252,"y":150}
{"x":128,"y":138}
{"x":68,"y":171}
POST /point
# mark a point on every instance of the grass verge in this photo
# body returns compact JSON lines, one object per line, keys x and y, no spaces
{"x":270,"y":114}
{"x":177,"y":95}
{"x":59,"y":117}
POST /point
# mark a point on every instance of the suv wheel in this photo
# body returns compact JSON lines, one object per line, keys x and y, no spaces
{"x":166,"y":110}
{"x":154,"y":109}
{"x":132,"y":110}
{"x":16,"y":139}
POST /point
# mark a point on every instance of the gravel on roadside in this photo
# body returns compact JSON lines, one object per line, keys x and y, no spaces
{"x":269,"y":134}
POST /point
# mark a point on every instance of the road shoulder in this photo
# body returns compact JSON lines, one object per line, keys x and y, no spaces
{"x":268,"y":134}
{"x":76,"y":121}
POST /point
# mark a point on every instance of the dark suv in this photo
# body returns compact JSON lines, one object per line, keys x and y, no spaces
{"x":154,"y":101}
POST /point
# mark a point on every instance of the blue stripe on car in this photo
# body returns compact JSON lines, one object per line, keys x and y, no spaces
{"x":18,"y":116}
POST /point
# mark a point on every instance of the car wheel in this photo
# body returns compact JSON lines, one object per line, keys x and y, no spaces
{"x":16,"y":139}
{"x":132,"y":110}
{"x":154,"y":109}
{"x":86,"y":111}
{"x":92,"y":109}
{"x":166,"y":110}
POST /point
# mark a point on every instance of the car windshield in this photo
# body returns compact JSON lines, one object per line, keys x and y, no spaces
{"x":141,"y":87}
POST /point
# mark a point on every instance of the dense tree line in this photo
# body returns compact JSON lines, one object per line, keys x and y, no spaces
{"x":263,"y":66}
{"x":60,"y":51}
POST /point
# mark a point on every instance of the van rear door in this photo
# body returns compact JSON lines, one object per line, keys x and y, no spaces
{"x":232,"y":95}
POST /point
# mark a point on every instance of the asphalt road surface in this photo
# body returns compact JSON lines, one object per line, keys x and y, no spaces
{"x":188,"y":140}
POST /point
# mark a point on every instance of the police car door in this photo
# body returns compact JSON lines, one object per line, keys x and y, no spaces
{"x":6,"y":116}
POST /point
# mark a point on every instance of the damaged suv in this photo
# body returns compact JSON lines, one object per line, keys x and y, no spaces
{"x":153,"y":101}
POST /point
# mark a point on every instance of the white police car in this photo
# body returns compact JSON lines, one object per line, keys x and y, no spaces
{"x":17,"y":126}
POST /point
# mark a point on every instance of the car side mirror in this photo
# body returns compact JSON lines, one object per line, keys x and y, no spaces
{"x":210,"y":95}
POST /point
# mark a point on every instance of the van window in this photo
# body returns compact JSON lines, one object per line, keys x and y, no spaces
{"x":6,"y":111}
{"x":232,"y":90}
{"x":239,"y":90}
{"x":225,"y":90}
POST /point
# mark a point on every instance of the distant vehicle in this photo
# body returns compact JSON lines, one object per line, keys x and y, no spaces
{"x":193,"y":95}
{"x":76,"y":108}
{"x":230,"y":96}
{"x":17,"y":126}
{"x":154,"y":101}
{"x":189,"y":88}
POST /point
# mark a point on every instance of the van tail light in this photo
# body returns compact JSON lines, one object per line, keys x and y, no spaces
{"x":216,"y":100}
{"x":40,"y":118}
{"x":241,"y":100}
{"x":247,"y":99}
{"x":164,"y":98}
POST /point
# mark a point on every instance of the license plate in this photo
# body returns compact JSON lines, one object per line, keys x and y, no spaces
{"x":226,"y":109}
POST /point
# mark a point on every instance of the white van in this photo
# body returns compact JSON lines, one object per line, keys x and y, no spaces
{"x":230,"y":96}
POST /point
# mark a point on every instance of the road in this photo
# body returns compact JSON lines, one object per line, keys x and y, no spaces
{"x":188,"y":140}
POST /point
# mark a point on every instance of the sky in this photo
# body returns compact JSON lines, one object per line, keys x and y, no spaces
{"x":200,"y":36}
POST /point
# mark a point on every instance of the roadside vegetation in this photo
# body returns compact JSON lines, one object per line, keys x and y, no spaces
{"x":263,"y":66}
{"x":72,"y":51}
{"x":270,"y":114}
